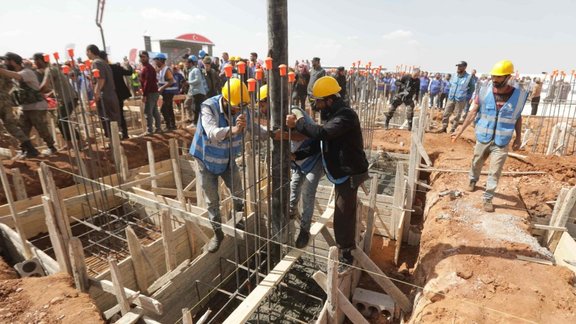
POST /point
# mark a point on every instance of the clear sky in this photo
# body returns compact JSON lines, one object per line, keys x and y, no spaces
{"x":536,"y":35}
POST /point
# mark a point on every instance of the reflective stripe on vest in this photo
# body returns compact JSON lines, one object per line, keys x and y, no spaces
{"x":215,"y":155}
{"x":305,"y":165}
{"x":498,"y":124}
{"x":162,"y":81}
{"x":328,"y":175}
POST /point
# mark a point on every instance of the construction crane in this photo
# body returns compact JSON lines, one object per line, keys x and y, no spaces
{"x":99,"y":15}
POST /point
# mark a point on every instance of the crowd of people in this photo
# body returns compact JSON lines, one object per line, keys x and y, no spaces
{"x":215,"y":103}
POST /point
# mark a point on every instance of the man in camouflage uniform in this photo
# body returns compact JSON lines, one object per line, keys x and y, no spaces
{"x":54,"y":82}
{"x":7,"y":114}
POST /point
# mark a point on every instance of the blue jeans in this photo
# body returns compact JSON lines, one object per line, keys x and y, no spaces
{"x":151,"y":111}
{"x":209,"y":185}
{"x":498,"y":156}
{"x":305,"y":185}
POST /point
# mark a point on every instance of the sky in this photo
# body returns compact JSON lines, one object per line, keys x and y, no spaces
{"x":538,"y":36}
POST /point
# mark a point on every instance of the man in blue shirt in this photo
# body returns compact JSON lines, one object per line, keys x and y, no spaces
{"x":424,"y":83}
{"x":461,"y":89}
{"x":434,"y":89}
{"x":445,"y":89}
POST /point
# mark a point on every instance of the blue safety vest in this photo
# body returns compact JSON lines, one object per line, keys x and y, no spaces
{"x":215,"y":155}
{"x":173,"y":89}
{"x":459,"y":86}
{"x":424,"y":84}
{"x":305,"y":165}
{"x":435,"y":86}
{"x":495,"y":124}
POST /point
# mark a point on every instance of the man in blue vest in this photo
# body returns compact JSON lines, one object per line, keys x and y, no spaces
{"x":461,"y":89}
{"x":497,"y":111}
{"x":342,"y":155}
{"x":434,"y":90}
{"x":168,"y":87}
{"x":216,"y":143}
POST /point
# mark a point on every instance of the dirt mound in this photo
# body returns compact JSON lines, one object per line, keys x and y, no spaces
{"x":51,"y":299}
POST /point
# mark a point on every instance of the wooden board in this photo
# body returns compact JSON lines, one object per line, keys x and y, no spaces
{"x":565,"y":252}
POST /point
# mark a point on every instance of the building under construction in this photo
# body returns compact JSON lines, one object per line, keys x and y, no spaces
{"x":132,"y":225}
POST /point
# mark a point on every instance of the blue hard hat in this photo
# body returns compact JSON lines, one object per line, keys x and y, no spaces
{"x":192,"y":58}
{"x":160,"y":56}
{"x":201,"y":53}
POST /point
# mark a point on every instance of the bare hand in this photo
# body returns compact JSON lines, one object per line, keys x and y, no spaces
{"x":240,"y":125}
{"x":96,"y":96}
{"x":456,"y":134}
{"x":291,"y":120}
{"x":516,"y":145}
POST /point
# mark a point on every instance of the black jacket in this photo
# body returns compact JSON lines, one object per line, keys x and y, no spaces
{"x":341,"y":137}
{"x":408,"y":87}
{"x":118,"y":73}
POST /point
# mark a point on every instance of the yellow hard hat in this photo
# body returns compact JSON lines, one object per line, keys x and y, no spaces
{"x":504,"y":67}
{"x":324,"y":87}
{"x":238,"y":91}
{"x":234,"y":58}
{"x":263,"y":92}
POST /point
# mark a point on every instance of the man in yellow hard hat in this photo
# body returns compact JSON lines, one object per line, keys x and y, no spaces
{"x":216,"y":143}
{"x":343,"y":156}
{"x":497,"y":109}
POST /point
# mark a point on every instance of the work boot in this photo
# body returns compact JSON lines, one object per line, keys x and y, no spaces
{"x":216,"y":240}
{"x":488,"y":206}
{"x":471,"y":186}
{"x":28,"y":150}
{"x":345,"y":261}
{"x":410,"y":125}
{"x":302,"y":239}
{"x":443,"y":130}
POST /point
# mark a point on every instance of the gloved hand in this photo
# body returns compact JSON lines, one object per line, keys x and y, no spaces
{"x":297,"y":112}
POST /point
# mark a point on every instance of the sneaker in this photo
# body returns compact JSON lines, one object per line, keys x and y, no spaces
{"x":215,"y":242}
{"x":302,"y":239}
{"x":49,"y":151}
{"x":488,"y":206}
{"x":241,"y":225}
{"x":159,"y":131}
{"x":444,"y":130}
{"x":471,"y":186}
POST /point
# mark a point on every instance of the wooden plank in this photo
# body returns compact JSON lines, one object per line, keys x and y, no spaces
{"x":173,"y":192}
{"x":535,"y":260}
{"x":118,"y":287}
{"x":382,"y":280}
{"x":115,"y":143}
{"x":10,"y":236}
{"x":151,"y":162}
{"x":549,"y":228}
{"x":328,"y":237}
{"x":19,"y":186}
{"x":332,"y":285}
{"x":565,"y":253}
{"x":167,"y":277}
{"x":345,"y":305}
{"x":131,"y":317}
{"x":370,"y":216}
{"x":138,"y":259}
{"x":56,"y":239}
{"x":10,"y":200}
{"x":560,"y":219}
{"x":176,"y":169}
{"x":186,"y":316}
{"x":78,"y":264}
{"x":169,"y":249}
{"x":60,"y":214}
{"x":147,"y":303}
{"x":399,"y":238}
{"x":196,"y":215}
{"x":243,"y":312}
{"x":422,"y":151}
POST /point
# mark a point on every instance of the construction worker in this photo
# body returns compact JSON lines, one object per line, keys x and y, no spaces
{"x":461,"y":89}
{"x":445,"y":89}
{"x":424,"y":84}
{"x":167,"y":87}
{"x":198,"y":86}
{"x":34,"y":106}
{"x":104,"y":90}
{"x":215,"y":153}
{"x":497,"y":110}
{"x":7,"y":113}
{"x":306,"y":169}
{"x":212,"y":79}
{"x":342,"y":154}
{"x":434,"y":89}
{"x":316,"y":72}
{"x":150,"y":93}
{"x":408,"y":87}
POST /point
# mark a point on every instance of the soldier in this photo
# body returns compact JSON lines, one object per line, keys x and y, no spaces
{"x":34,"y":106}
{"x":8,"y":118}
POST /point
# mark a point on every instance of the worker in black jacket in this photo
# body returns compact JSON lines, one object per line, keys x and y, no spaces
{"x":408,"y":89}
{"x":122,"y":91}
{"x":343,"y":157}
